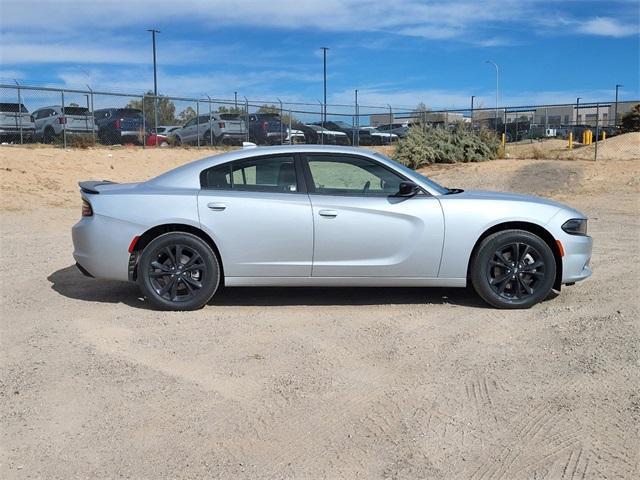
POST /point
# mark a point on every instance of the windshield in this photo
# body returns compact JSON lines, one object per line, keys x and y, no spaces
{"x":435,"y":186}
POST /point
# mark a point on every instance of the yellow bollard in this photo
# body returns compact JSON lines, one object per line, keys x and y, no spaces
{"x":590,"y":137}
{"x":504,"y":140}
{"x":584,"y":137}
{"x":604,"y":135}
{"x":570,"y":140}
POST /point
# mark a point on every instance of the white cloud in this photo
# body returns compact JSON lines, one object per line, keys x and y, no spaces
{"x":608,"y":27}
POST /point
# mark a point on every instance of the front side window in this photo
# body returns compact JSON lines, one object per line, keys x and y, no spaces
{"x":270,"y":174}
{"x":336,"y":175}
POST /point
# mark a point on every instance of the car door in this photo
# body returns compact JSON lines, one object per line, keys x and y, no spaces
{"x":258,"y":213}
{"x":361,"y":229}
{"x":188,"y":132}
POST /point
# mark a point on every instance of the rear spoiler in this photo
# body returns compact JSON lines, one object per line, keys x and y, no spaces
{"x":91,"y":185}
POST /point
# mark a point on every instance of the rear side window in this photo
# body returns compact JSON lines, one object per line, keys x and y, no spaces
{"x":265,"y":174}
{"x":129,"y":113}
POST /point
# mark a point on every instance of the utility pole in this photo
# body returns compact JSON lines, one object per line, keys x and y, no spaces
{"x":615,"y":115}
{"x":155,"y":81}
{"x":497,"y":87}
{"x":235,"y":100}
{"x":473,"y":97}
{"x":577,"y":109}
{"x":324,"y":76}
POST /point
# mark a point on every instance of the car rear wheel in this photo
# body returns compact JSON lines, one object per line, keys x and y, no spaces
{"x":49,"y":135}
{"x":513,"y":269}
{"x":207,"y":139}
{"x":178,"y":271}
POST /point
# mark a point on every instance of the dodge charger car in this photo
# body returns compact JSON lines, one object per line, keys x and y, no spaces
{"x":310,"y":215}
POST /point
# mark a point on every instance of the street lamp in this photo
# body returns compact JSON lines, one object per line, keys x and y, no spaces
{"x":497,"y":87}
{"x":155,"y":81}
{"x":324,"y":84}
{"x":615,"y":115}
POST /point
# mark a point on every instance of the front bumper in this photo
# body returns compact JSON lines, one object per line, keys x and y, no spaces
{"x":577,"y":256}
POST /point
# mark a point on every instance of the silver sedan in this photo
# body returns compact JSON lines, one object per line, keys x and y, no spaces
{"x":323,"y":216}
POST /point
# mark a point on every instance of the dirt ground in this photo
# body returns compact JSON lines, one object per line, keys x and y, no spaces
{"x":314,"y":383}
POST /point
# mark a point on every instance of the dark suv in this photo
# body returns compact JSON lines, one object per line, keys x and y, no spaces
{"x":119,"y":125}
{"x":363,"y":136}
{"x":266,"y":128}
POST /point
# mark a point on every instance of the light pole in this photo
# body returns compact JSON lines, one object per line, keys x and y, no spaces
{"x":155,"y":82}
{"x":324,"y":84}
{"x":473,"y":97}
{"x":497,"y":87}
{"x":577,"y":109}
{"x":615,"y":115}
{"x":235,"y":100}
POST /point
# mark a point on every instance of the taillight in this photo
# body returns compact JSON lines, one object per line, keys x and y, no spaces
{"x":265,"y":126}
{"x":118,"y":123}
{"x":62,"y":120}
{"x":87,"y":211}
{"x":221,"y":124}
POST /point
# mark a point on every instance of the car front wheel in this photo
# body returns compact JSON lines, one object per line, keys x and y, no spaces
{"x":513,"y":269}
{"x":178,"y":271}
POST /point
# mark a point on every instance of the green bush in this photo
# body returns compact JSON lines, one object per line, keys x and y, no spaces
{"x":424,"y":146}
{"x":631,"y":120}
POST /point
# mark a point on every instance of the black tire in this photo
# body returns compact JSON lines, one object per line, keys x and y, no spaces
{"x":513,"y":269}
{"x":178,"y":140}
{"x":178,"y":271}
{"x":206,"y":139}
{"x":49,"y":135}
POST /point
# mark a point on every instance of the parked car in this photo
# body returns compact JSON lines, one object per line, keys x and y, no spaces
{"x":211,"y":130}
{"x":381,"y":138}
{"x":266,"y":129}
{"x":310,"y":215}
{"x":153,"y":140}
{"x":14,"y":118}
{"x":321,"y":136}
{"x":166,"y":129}
{"x":294,"y":136}
{"x":51,"y":122}
{"x":363,"y":135}
{"x":399,"y":129}
{"x":119,"y":125}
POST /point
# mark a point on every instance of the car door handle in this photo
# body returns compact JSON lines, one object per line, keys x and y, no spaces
{"x":217,"y":206}
{"x":328,"y":213}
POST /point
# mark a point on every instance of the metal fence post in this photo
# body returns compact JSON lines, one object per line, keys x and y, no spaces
{"x":281,"y":126}
{"x":144,"y":121}
{"x":19,"y":112}
{"x":290,"y":137}
{"x":64,"y":121}
{"x":155,"y":116}
{"x":321,"y":123}
{"x":246,"y":113}
{"x":210,"y":123}
{"x":198,"y":121}
{"x":595,"y":154}
{"x":93,"y":118}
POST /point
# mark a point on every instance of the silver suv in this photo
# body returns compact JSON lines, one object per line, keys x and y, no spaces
{"x":51,"y":122}
{"x":219,"y":128}
{"x":14,"y":119}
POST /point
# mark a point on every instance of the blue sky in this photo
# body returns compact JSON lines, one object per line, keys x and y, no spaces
{"x":395,"y":52}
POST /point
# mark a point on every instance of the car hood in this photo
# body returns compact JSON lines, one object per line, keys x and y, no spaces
{"x":480,"y":195}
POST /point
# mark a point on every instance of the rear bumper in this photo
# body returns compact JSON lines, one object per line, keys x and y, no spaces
{"x":100,"y":246}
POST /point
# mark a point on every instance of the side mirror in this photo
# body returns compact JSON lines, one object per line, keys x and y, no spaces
{"x":407,"y":189}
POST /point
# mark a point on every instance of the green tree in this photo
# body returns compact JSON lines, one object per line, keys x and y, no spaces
{"x":631,"y":120}
{"x":231,"y":109}
{"x":166,"y":109}
{"x":185,"y":115}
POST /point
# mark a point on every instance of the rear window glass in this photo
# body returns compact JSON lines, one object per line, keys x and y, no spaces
{"x":76,"y":110}
{"x":229,"y":116}
{"x":12,"y":107}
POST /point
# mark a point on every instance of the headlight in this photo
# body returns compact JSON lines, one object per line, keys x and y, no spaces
{"x":575,"y":226}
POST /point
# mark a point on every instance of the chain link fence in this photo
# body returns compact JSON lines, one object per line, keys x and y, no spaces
{"x":64,"y":116}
